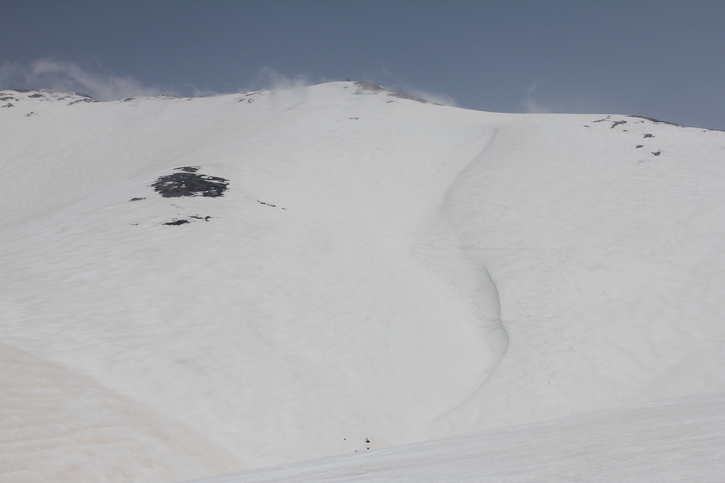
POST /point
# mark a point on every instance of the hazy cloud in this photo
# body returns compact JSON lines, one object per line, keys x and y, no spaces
{"x":569,"y":100}
{"x":435,"y":97}
{"x":72,"y":77}
{"x":272,"y":80}
{"x":532,"y":106}
{"x":201,"y":92}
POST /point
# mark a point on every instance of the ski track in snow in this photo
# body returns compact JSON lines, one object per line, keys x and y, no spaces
{"x":468,"y":276}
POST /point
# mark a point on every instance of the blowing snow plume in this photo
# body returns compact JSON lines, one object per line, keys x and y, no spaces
{"x":72,"y":77}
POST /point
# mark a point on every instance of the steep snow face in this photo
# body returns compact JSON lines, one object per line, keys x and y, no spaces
{"x":299,"y":273}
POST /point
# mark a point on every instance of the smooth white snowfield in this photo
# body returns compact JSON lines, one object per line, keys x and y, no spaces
{"x":671,"y":441}
{"x":379,"y":269}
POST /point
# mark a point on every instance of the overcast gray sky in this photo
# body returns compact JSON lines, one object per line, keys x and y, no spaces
{"x":657,"y":58}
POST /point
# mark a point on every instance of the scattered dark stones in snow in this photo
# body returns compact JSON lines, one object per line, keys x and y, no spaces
{"x":614,"y":123}
{"x":47,"y":94}
{"x":159,"y":96}
{"x":190,"y":183}
{"x":30,"y":114}
{"x":249,"y":97}
{"x":269,"y":204}
{"x":363,"y":87}
{"x":656,"y":121}
{"x":370,"y":88}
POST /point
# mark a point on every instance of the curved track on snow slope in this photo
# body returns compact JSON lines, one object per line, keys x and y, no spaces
{"x":448,"y":254}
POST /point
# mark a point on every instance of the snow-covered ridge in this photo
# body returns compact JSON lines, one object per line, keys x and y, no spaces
{"x":292,"y":274}
{"x":10,"y":96}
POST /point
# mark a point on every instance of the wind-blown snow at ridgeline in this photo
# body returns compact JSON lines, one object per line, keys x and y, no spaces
{"x":276,"y":276}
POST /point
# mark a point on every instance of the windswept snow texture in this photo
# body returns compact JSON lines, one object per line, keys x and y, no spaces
{"x":271,"y":277}
{"x":670,"y":441}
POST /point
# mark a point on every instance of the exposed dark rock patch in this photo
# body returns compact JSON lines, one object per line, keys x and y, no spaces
{"x":639,"y":146}
{"x":188,"y":169}
{"x":657,"y":153}
{"x":617,"y":123}
{"x":184,"y":221}
{"x":8,"y":105}
{"x":649,"y":136}
{"x":190,"y":183}
{"x":136,"y":199}
{"x":77,"y":101}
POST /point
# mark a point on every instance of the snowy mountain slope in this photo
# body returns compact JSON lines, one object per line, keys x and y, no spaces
{"x":668,"y":441}
{"x":58,"y":426}
{"x":375,"y":269}
{"x":606,"y":259}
